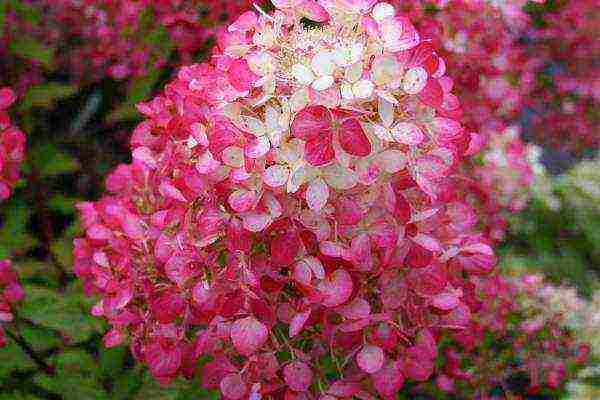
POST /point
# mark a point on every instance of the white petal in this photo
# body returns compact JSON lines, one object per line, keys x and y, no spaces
{"x":346,"y":91}
{"x":317,"y":194}
{"x":347,"y":55}
{"x":384,"y":94}
{"x":392,"y":161}
{"x":303,"y":74}
{"x":296,"y":179}
{"x":363,"y":89}
{"x":323,"y":83}
{"x":273,"y":205}
{"x":385,"y":70}
{"x":382,"y":132}
{"x":323,"y":63}
{"x":383,"y":11}
{"x":272,"y":117}
{"x":414,"y":80}
{"x":386,"y":112}
{"x":254,"y":125}
{"x":339,"y":177}
{"x":299,"y":100}
{"x":233,"y":156}
{"x":354,"y":72}
{"x":276,"y":175}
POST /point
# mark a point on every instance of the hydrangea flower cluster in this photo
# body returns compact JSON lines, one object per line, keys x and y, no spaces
{"x":520,"y":342}
{"x":114,"y":38}
{"x":115,"y":33}
{"x":567,"y":98}
{"x":12,"y":146}
{"x":291,"y":209}
{"x":504,"y":178}
{"x":11,"y":293}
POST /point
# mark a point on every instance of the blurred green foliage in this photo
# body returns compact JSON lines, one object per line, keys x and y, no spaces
{"x":559,"y":233}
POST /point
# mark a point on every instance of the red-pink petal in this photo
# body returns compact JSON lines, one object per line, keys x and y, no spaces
{"x":311,"y":122}
{"x":370,"y":358}
{"x":336,"y":288}
{"x":298,"y":322}
{"x":248,"y":335}
{"x":319,"y":151}
{"x":240,"y":76}
{"x":298,"y":376}
{"x":353,"y":139}
{"x":388,"y":380}
{"x":233,"y":386}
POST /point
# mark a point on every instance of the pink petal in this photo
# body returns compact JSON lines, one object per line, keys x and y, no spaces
{"x":297,"y":323}
{"x":113,"y":338}
{"x":408,"y":133}
{"x":313,"y":11}
{"x":298,"y":376}
{"x":7,"y":97}
{"x":144,"y":155}
{"x":240,"y":76}
{"x":344,"y":389}
{"x":388,"y":380}
{"x":370,"y":359}
{"x":170,"y":191}
{"x":242,"y":200}
{"x":445,"y":301}
{"x":357,"y":309}
{"x":445,"y":128}
{"x":336,"y":288}
{"x":201,"y":292}
{"x":432,"y":94}
{"x":233,"y":386}
{"x":248,"y":335}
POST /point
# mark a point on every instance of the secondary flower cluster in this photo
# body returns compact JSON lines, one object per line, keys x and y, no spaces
{"x":292,"y":210}
{"x":567,"y":95}
{"x":11,"y":292}
{"x":12,"y":146}
{"x":119,"y":39}
{"x":520,"y":342}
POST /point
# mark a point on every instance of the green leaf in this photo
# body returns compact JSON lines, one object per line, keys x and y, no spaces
{"x":140,"y":90}
{"x":25,"y":11}
{"x":51,"y":161}
{"x":18,"y":396}
{"x":14,"y":237}
{"x":67,"y":313}
{"x":39,"y":339}
{"x":63,"y":204}
{"x":13,"y":359}
{"x":75,"y":377}
{"x":46,"y":95}
{"x":32,"y":50}
{"x":62,"y":249}
{"x":112,"y":361}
